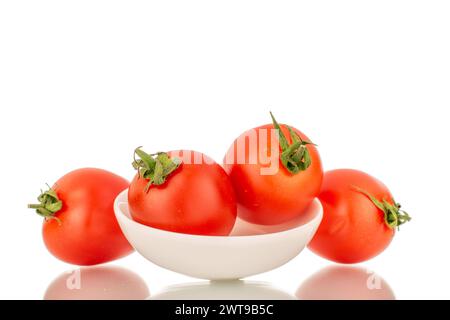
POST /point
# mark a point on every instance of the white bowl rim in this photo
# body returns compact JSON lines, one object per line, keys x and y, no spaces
{"x":117,"y":202}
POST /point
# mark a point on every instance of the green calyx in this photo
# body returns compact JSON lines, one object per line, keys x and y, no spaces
{"x":49,"y":204}
{"x":393,"y":215}
{"x":154,"y":167}
{"x":295,"y":157}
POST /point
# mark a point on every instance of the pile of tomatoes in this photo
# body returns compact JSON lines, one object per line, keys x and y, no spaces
{"x":270,"y":175}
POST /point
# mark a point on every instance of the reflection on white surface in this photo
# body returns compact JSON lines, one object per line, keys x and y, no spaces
{"x":345,"y":283}
{"x":244,"y":228}
{"x":98,"y":283}
{"x":223,"y":290}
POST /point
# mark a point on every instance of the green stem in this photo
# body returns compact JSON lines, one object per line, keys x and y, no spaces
{"x":295,"y":157}
{"x":394,"y":217}
{"x":49,"y":204}
{"x":154,"y":167}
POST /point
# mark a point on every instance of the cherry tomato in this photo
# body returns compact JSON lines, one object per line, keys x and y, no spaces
{"x":266,"y":196}
{"x":360,"y":217}
{"x":182,"y":191}
{"x":80,"y":226}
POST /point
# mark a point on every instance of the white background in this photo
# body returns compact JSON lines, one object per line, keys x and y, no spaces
{"x":82,"y":83}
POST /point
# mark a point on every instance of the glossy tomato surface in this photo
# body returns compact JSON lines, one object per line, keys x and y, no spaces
{"x":274,"y":198}
{"x":87,"y":232}
{"x":197,"y":198}
{"x":353,"y":229}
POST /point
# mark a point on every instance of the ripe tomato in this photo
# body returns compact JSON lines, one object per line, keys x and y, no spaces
{"x":267,"y":196}
{"x":182,"y":191}
{"x":80,"y":226}
{"x":360,"y":217}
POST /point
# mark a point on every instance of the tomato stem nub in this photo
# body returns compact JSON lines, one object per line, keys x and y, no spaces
{"x":295,"y":157}
{"x":154,"y":167}
{"x":393,"y":215}
{"x":49,"y":204}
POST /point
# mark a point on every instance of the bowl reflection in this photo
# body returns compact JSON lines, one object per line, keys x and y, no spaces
{"x":98,"y":283}
{"x":223,"y":290}
{"x":345,"y":283}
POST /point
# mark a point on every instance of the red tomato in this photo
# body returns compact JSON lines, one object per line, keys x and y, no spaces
{"x":80,"y":225}
{"x":283,"y":194}
{"x":192,"y":198}
{"x":360,"y":217}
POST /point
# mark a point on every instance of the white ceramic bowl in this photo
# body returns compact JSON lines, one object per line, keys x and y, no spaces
{"x":249,"y":250}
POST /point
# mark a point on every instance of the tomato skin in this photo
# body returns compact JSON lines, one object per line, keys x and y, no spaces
{"x":195,"y":199}
{"x":353,"y":229}
{"x":277,"y":198}
{"x":87,"y":232}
